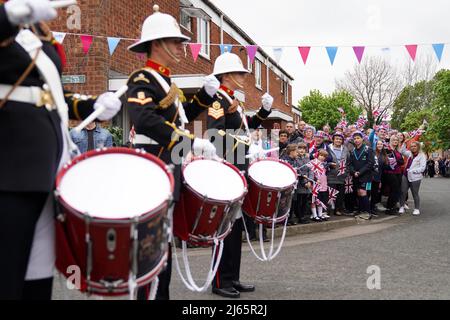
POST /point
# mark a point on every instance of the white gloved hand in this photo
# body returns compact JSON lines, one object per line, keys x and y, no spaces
{"x":211,"y":85}
{"x":203,"y":147}
{"x":111,"y":103}
{"x":267,"y":101}
{"x":29,"y":11}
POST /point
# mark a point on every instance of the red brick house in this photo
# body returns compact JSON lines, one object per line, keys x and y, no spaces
{"x":201,"y":20}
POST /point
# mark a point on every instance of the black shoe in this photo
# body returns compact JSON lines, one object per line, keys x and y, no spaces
{"x":303,"y":221}
{"x":243,"y":287}
{"x":227,"y":292}
{"x":265,"y":239}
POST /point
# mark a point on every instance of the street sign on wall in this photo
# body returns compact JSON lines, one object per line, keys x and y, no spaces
{"x":72,"y":79}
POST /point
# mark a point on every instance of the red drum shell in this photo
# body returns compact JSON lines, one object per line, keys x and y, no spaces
{"x":261,"y":201}
{"x":111,"y":241}
{"x":201,"y":220}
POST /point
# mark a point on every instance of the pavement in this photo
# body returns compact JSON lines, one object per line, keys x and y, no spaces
{"x":389,"y":257}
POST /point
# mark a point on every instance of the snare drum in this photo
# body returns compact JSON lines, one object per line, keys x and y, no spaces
{"x":112,"y":221}
{"x":271,"y":186}
{"x":212,"y":195}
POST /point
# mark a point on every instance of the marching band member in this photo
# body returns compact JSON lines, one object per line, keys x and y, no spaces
{"x":226,"y":113}
{"x":34,"y":114}
{"x":156,"y":108}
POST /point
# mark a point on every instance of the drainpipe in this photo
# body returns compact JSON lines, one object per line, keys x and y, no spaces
{"x":267,"y":68}
{"x":221,"y":29}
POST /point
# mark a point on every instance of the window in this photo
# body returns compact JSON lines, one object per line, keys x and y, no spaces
{"x":258,"y":79}
{"x":286,"y":92}
{"x":249,"y":65}
{"x":203,"y":36}
{"x":185,"y":20}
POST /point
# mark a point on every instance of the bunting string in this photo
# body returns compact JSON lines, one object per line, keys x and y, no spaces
{"x":277,"y":50}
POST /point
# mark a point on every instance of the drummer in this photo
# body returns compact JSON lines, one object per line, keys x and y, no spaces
{"x":154,"y":105}
{"x":34,"y":140}
{"x":227,"y":113}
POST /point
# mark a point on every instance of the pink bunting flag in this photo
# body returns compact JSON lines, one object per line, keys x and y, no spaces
{"x":359,"y":51}
{"x":195,"y":50}
{"x":86,"y":41}
{"x":412,"y":49}
{"x":304,"y":52}
{"x":251,"y":52}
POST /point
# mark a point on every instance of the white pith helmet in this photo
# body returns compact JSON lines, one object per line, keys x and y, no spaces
{"x":228,"y":63}
{"x":157,"y":26}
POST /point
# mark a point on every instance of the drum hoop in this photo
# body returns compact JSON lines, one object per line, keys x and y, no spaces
{"x":273,"y":189}
{"x":121,"y":150}
{"x":115,"y":150}
{"x":99,"y":288}
{"x":93,"y":219}
{"x":211,"y":200}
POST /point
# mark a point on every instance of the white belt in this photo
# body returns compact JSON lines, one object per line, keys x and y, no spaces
{"x":143,"y":139}
{"x":32,"y":95}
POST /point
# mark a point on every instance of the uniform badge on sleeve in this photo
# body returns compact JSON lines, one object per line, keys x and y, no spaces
{"x":216,"y":110}
{"x":141,"y":98}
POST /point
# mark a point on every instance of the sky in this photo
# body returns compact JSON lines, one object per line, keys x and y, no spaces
{"x":377,"y":24}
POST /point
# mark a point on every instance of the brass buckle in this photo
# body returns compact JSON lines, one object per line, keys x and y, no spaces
{"x":46,"y":99}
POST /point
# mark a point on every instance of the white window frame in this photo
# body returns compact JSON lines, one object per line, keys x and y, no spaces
{"x":286,"y":92}
{"x":190,"y":20}
{"x":258,"y":74}
{"x":249,"y":65}
{"x":205,"y":52}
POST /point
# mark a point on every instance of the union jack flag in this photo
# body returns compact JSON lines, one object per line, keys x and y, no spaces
{"x":316,"y":166}
{"x":315,"y":190}
{"x":392,"y":162}
{"x":361,"y":122}
{"x":320,"y":203}
{"x":348,"y":185}
{"x":332,"y":195}
{"x":342,"y":167}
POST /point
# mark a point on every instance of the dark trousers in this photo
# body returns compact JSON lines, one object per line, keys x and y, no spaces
{"x":339,"y":204}
{"x":350,"y":200}
{"x":230,"y":264}
{"x":303,"y":205}
{"x":19,"y":213}
{"x":294,"y":206}
{"x":164,"y":282}
{"x":375,"y":194}
{"x":394,"y":181}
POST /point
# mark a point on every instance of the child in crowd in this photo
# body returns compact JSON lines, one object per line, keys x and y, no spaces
{"x":320,"y":175}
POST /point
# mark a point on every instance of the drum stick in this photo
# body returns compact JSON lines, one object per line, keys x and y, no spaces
{"x":99,"y":110}
{"x":24,"y":10}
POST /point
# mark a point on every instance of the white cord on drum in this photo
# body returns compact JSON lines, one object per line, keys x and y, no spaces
{"x":214,"y":265}
{"x":132,"y":286}
{"x":263,"y":256}
{"x":154,"y":289}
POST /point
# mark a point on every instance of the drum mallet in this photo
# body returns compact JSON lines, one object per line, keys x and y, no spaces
{"x":99,"y":110}
{"x":24,"y":10}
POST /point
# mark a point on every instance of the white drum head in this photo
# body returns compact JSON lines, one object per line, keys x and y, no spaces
{"x":115,"y":186}
{"x":272,"y":174}
{"x":214,"y":180}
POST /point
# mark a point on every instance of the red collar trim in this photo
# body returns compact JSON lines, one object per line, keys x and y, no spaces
{"x":158,"y":68}
{"x":228,"y":91}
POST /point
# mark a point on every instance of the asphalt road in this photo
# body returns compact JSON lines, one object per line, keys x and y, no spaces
{"x":411,"y":253}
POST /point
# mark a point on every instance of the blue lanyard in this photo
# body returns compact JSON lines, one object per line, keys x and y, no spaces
{"x":358,"y":157}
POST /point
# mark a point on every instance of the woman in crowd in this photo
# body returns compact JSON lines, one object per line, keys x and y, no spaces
{"x":309,"y":137}
{"x":393,"y":175}
{"x":415,"y":166}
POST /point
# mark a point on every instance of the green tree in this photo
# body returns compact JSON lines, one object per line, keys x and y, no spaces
{"x":412,"y":98}
{"x":440,"y":126}
{"x":319,"y":109}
